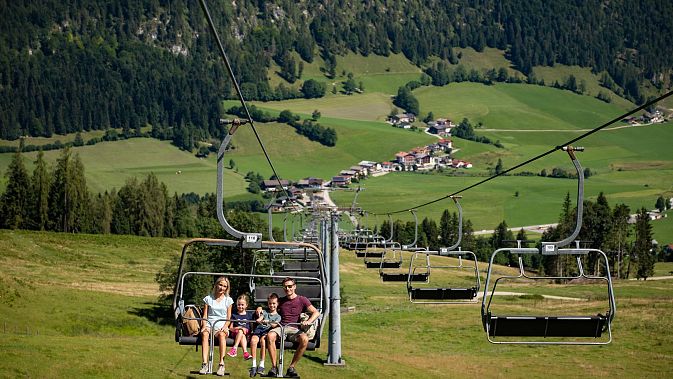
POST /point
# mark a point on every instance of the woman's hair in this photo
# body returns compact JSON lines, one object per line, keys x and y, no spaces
{"x":243,"y":297}
{"x":221,"y":279}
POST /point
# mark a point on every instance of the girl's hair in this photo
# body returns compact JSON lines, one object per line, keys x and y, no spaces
{"x":243,"y":297}
{"x":217,"y":281}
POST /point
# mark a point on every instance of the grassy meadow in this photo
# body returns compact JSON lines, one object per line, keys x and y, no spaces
{"x":85,"y":306}
{"x":109,"y":164}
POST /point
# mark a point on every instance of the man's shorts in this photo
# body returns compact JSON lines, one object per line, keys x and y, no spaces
{"x":291,"y":333}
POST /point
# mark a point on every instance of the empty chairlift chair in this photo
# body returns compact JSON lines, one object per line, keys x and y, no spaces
{"x":534,"y":326}
{"x":386,"y":255}
{"x":460,"y":281}
{"x":392,"y":260}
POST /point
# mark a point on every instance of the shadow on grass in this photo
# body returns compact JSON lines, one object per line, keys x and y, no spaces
{"x":314,"y":358}
{"x":156,"y":312}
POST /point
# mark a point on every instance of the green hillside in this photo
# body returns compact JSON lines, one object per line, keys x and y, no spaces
{"x":97,"y":298}
{"x":109,"y":164}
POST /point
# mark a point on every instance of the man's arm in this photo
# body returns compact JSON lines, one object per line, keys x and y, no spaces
{"x":314,"y":315}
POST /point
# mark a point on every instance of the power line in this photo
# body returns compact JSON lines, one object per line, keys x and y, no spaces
{"x":590,"y":132}
{"x":223,"y":53}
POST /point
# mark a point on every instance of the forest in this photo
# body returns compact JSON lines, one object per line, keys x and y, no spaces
{"x":88,"y":65}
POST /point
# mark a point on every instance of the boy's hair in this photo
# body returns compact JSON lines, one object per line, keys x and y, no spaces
{"x":272,"y":296}
{"x":243,"y":297}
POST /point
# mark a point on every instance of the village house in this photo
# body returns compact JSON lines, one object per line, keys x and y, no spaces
{"x":340,"y":181}
{"x":372,"y":167}
{"x":424,"y":161}
{"x":461,"y":164}
{"x":347,"y":173}
{"x":405,"y":160}
{"x":402,"y":118}
{"x":446,"y":144}
{"x":315,"y":182}
{"x":271,"y":185}
{"x":387,"y":166}
{"x":441,"y":127}
{"x":359,"y":171}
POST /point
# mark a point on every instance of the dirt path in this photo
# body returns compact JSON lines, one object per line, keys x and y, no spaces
{"x":499,"y":293}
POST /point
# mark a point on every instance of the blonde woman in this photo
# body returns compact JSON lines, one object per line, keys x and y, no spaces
{"x":217,"y":306}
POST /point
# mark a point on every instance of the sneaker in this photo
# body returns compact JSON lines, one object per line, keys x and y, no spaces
{"x":220,"y":370}
{"x":260,"y":370}
{"x":253,"y":372}
{"x":233,"y":352}
{"x":247,"y":356}
{"x":272,"y":373}
{"x":291,"y":373}
{"x":204,"y":369}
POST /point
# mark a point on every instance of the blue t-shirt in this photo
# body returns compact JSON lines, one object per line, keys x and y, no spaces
{"x":264,"y":327}
{"x":240,"y":324}
{"x":217,"y":310}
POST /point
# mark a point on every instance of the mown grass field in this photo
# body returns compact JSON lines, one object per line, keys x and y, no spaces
{"x":84,"y":306}
{"x":109,"y":164}
{"x":539,"y":200}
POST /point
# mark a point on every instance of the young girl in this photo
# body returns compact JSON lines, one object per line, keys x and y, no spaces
{"x":240,"y":328}
{"x":217,"y":306}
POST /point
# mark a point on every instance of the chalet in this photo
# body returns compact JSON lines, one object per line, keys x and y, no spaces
{"x":386,"y":166}
{"x":295,"y":191}
{"x":340,"y":181}
{"x":371,"y":167}
{"x":315,"y":182}
{"x":461,"y":164}
{"x":423,"y":159}
{"x":441,"y":127}
{"x":440,"y":130}
{"x":420,"y":150}
{"x":359,"y":171}
{"x":302,"y":183}
{"x":404,"y":158}
{"x":653,"y":117}
{"x":402,"y":118}
{"x":347,"y":173}
{"x":271,"y":185}
{"x":445,"y":143}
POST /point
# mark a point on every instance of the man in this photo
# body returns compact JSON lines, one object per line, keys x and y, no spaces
{"x":290,"y":308}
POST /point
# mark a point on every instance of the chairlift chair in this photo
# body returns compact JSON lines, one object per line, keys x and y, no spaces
{"x":446,"y":294}
{"x":551,"y":329}
{"x":244,"y":242}
{"x":395,"y":262}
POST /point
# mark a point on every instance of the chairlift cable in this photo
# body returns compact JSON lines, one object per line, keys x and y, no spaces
{"x":239,"y":93}
{"x":559,"y":147}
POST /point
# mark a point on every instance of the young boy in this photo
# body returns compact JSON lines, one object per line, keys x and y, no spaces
{"x":266,"y":321}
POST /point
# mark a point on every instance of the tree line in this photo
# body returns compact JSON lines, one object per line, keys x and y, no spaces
{"x":628,"y":246}
{"x":57,"y":199}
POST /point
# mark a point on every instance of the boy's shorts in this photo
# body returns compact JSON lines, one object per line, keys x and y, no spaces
{"x":261,"y":330}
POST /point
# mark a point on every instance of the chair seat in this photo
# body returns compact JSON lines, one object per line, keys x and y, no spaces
{"x":401,"y":277}
{"x":547,"y":326}
{"x":443,"y":293}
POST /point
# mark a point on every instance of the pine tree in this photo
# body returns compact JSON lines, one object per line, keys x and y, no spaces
{"x":14,"y":201}
{"x":642,"y":247}
{"x":39,"y":202}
